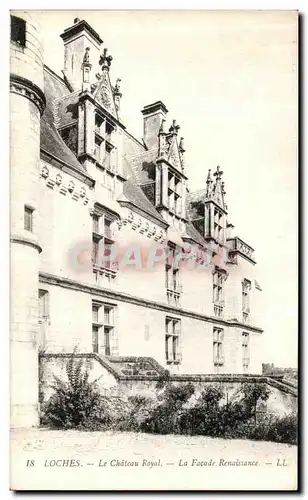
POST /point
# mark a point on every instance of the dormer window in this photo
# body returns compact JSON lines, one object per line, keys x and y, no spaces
{"x":174,"y":194}
{"x":109,"y":132}
{"x":104,"y":147}
{"x":69,"y":136}
{"x":99,"y":125}
{"x":218,"y":225}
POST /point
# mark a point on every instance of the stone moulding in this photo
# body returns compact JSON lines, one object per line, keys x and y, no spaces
{"x":25,"y":241}
{"x":24,"y":87}
{"x":125,"y":297}
{"x":109,"y":364}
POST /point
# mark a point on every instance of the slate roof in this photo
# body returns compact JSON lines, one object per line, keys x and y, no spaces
{"x":61,"y":110}
{"x":139,"y":164}
{"x":135,"y":195}
{"x":192,"y":232}
{"x":51,"y":141}
{"x":196,"y":196}
{"x":67,"y":109}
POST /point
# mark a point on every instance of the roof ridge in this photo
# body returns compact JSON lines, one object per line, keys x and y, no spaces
{"x":197,"y":191}
{"x":138,"y":155}
{"x":53,"y":73}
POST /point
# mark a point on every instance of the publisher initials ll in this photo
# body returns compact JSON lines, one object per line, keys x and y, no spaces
{"x":281,"y":464}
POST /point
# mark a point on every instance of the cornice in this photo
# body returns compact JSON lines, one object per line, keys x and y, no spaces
{"x":86,"y":96}
{"x":125,"y":297}
{"x":143,"y":213}
{"x":22,"y":240}
{"x":162,"y":159}
{"x":66,"y":167}
{"x":26,"y":88}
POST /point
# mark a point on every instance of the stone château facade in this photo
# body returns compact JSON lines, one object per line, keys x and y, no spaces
{"x":81,"y":183}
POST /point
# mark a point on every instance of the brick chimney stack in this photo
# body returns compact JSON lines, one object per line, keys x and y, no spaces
{"x":153,"y":114}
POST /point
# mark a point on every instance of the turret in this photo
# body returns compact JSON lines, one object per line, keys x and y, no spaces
{"x":27,"y":102}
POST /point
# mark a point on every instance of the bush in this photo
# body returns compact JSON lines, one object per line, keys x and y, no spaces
{"x":211,"y":416}
{"x":76,"y":403}
{"x":278,"y":429}
{"x":166,"y":418}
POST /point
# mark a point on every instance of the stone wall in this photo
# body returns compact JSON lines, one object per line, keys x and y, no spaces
{"x":112,"y":382}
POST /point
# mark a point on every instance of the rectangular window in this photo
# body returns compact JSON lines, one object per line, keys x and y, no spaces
{"x":172,"y":340}
{"x":245,"y":350}
{"x":95,"y":250}
{"x":43,"y":304}
{"x":95,"y":313}
{"x":218,"y":225}
{"x":174,"y":194}
{"x":101,"y":236}
{"x":98,"y":125}
{"x":95,"y":331}
{"x":218,"y":292}
{"x":109,"y":132}
{"x":28,"y":219}
{"x":103,"y":329}
{"x":97,"y":149}
{"x":172,"y":278}
{"x":95,"y":223}
{"x":18,"y":31}
{"x":246,"y":287}
{"x":218,"y":338}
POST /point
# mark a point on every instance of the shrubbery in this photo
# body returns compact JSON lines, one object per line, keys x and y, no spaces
{"x":175,"y":410}
{"x":76,"y":403}
{"x":278,"y":429}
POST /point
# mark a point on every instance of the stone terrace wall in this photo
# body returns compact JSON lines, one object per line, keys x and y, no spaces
{"x":111,"y":381}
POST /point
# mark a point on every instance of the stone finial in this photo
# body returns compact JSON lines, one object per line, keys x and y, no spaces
{"x":76,"y":20}
{"x":162,"y":138}
{"x":223,"y":188}
{"x":162,"y":127}
{"x":209,"y":183}
{"x":117,"y":89}
{"x":174,"y":127}
{"x":86,"y":69}
{"x":105,"y":60}
{"x":86,"y":57}
{"x":218,"y":173}
{"x":117,"y":94}
{"x":181,"y":145}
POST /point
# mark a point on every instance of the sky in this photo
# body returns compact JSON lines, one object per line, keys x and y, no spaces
{"x":229,"y":78}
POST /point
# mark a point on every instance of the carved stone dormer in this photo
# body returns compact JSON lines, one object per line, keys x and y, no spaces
{"x":215,"y":208}
{"x":102,"y":91}
{"x":170,"y":179}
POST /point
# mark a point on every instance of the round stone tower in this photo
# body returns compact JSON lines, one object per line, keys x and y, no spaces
{"x":27,"y":102}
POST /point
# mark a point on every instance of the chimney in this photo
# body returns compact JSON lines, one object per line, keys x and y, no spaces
{"x":153,"y":114}
{"x":77,"y":39}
